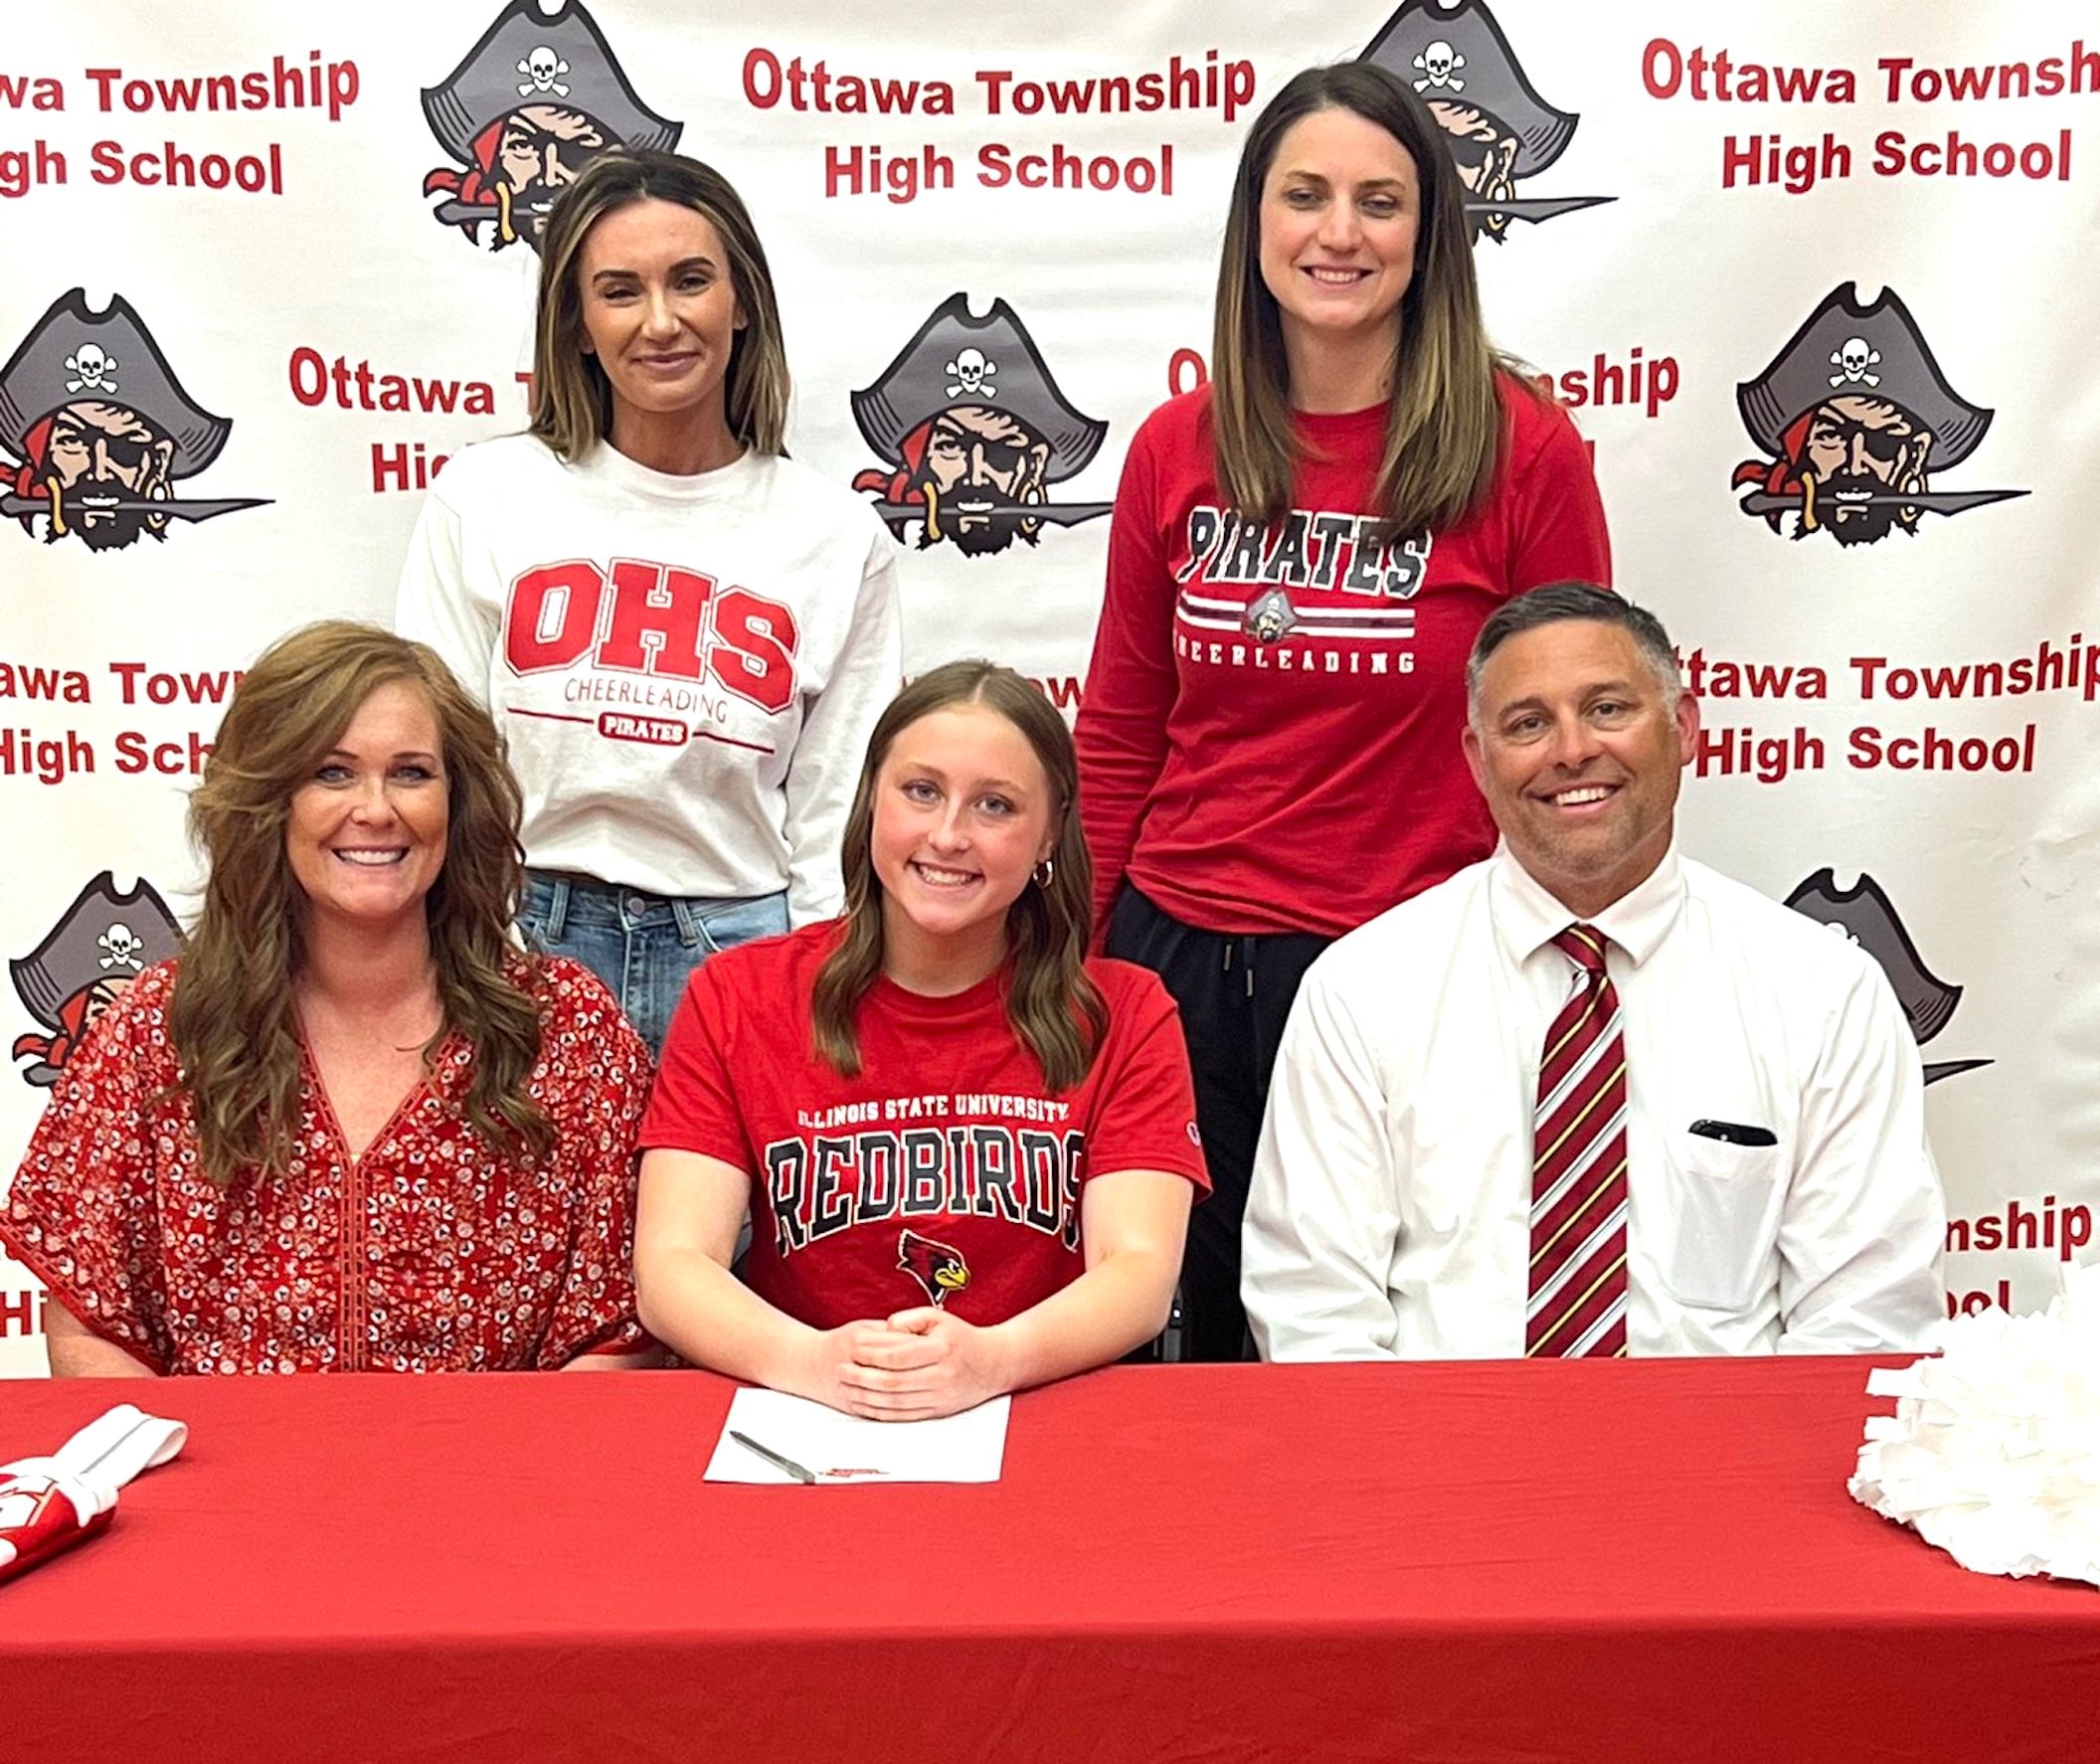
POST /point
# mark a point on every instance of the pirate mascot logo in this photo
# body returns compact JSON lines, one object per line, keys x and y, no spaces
{"x":101,"y":943}
{"x":1855,"y":416}
{"x":535,"y":101}
{"x":1499,"y":131}
{"x":1863,"y":915}
{"x":976,"y":431}
{"x":102,"y":430}
{"x":937,"y":1267}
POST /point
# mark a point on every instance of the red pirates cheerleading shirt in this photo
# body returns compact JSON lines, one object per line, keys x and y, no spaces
{"x":947,"y":1173}
{"x":429,"y":1251}
{"x":1269,"y":740}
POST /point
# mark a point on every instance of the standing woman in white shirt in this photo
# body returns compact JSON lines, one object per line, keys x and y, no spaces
{"x":684,"y":636}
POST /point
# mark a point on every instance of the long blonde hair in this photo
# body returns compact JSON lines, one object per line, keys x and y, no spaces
{"x":571,"y":400}
{"x":1444,"y":432}
{"x":1054,"y":1008}
{"x":232,"y":1021}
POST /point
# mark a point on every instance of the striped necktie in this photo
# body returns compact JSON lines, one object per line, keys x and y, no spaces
{"x":1577,"y":1303}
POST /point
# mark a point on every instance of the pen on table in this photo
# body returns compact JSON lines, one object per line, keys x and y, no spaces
{"x":800,"y":1473}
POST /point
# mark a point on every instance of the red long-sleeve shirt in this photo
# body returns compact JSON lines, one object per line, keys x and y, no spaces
{"x":1306,"y":780}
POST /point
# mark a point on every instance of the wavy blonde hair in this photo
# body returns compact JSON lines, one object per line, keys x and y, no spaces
{"x":232,"y":1021}
{"x":1444,"y":429}
{"x":571,"y":400}
{"x":1054,"y":1008}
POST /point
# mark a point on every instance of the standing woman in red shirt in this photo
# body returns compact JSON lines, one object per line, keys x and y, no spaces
{"x":1301,"y":554}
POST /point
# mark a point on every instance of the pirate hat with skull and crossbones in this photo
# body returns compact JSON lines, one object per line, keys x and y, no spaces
{"x":73,"y":354}
{"x":1865,"y":915}
{"x":1462,"y":56}
{"x":956,"y":359}
{"x":1871,"y":351}
{"x":527,"y":56}
{"x":103,"y":939}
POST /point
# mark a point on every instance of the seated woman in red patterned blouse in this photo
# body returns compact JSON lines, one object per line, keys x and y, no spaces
{"x":353,"y":1127}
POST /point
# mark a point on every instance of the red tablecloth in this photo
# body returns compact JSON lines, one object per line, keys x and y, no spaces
{"x":1639,"y":1561}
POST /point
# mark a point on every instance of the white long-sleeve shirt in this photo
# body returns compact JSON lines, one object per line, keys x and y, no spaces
{"x":1391,"y":1193}
{"x":684,"y":670}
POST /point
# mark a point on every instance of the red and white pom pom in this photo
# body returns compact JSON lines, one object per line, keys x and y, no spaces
{"x":48,"y":1505}
{"x":42,"y":1515}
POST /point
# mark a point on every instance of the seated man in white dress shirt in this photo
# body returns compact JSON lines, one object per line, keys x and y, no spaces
{"x":1590,"y":1097}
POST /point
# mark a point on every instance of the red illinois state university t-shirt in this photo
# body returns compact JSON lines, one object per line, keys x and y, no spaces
{"x":1269,"y":736}
{"x":947,"y":1172}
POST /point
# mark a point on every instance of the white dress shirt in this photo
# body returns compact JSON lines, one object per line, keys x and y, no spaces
{"x":1389,"y":1216}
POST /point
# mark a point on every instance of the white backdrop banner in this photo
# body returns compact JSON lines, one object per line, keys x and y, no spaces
{"x":1808,"y":277}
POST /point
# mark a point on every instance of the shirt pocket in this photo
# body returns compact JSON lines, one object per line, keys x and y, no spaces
{"x":1720,"y":1220}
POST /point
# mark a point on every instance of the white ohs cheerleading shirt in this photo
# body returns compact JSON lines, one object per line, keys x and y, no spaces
{"x":684,"y":670}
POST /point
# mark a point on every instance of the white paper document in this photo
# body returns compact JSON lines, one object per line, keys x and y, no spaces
{"x":840,"y":1449}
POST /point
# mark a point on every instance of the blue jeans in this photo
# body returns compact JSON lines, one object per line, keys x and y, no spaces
{"x":642,"y":946}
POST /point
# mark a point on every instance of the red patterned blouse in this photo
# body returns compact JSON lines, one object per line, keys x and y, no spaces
{"x":429,"y":1252}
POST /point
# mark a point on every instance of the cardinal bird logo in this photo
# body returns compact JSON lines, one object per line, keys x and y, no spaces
{"x":936,"y":1267}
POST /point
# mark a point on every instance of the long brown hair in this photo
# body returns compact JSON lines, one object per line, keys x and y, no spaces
{"x":571,"y":400}
{"x":233,"y":1021}
{"x":1054,"y":1008}
{"x":1444,"y":430}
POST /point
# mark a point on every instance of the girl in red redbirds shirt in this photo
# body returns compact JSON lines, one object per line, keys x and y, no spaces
{"x":1302,"y":553}
{"x":967,"y":1148}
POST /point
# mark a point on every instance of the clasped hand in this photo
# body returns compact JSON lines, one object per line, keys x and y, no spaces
{"x":910,"y":1367}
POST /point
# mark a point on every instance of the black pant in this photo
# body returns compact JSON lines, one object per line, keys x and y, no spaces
{"x":1235,"y":994}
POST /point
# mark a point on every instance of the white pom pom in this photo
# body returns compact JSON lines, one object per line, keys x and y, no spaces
{"x":1993,"y":1450}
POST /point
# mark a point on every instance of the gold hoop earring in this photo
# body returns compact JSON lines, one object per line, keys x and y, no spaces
{"x":1043,"y":872}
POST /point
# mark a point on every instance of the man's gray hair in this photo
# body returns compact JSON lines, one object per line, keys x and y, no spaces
{"x":1562,"y":600}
